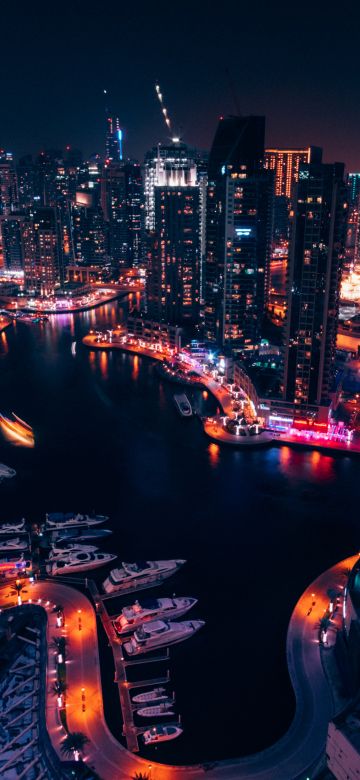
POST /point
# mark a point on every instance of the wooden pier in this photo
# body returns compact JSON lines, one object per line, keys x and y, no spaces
{"x":130,"y":731}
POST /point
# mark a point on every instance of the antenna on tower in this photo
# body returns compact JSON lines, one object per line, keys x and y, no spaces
{"x":167,"y":120}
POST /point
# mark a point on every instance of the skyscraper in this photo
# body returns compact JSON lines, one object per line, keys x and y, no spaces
{"x":11,"y":233}
{"x":9,"y":200}
{"x":41,"y":264}
{"x":238,"y":232}
{"x":316,"y":252}
{"x":173,"y":275}
{"x":354,"y":187}
{"x":114,"y":139}
{"x":286,"y":164}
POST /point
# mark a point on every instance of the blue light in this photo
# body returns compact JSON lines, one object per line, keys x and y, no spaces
{"x":120,"y":138}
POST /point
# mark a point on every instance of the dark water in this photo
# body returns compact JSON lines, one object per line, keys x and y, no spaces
{"x":255,"y":527}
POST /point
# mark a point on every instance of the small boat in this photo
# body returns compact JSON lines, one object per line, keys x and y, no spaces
{"x":6,"y":472}
{"x":9,"y":565}
{"x":13,"y":544}
{"x":183,"y":405}
{"x":161,"y":733}
{"x":79,"y":534}
{"x":17,"y":430}
{"x":13,"y":528}
{"x":155,"y":696}
{"x":160,"y":633}
{"x":73,"y":348}
{"x":78,"y":561}
{"x":140,"y":574}
{"x":150,"y":609}
{"x":164,"y":708}
{"x":59,"y":551}
{"x":57,"y":520}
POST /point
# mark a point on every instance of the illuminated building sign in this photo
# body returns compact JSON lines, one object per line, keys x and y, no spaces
{"x":243,"y":232}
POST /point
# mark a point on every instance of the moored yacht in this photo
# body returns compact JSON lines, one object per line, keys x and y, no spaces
{"x":162,"y":709}
{"x":6,"y":472}
{"x":150,"y":609}
{"x":160,"y":633}
{"x":13,"y":544}
{"x":12,"y":566}
{"x":140,"y":573}
{"x":79,"y":534}
{"x":59,"y":551}
{"x":78,"y":561}
{"x":155,"y":696}
{"x":13,"y":528}
{"x":183,"y":405}
{"x":58,"y":520}
{"x":161,"y":733}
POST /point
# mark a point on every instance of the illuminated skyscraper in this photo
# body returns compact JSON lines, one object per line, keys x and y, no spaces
{"x":41,"y":262}
{"x":173,"y":275}
{"x":354,"y":187}
{"x":11,"y":230}
{"x":318,"y":222}
{"x":286,"y":163}
{"x":238,"y":232}
{"x":114,"y":139}
{"x":9,"y":200}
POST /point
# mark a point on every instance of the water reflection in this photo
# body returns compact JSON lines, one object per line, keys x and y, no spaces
{"x":104,"y":364}
{"x":299,"y":465}
{"x":214,"y":454}
{"x":4,"y":343}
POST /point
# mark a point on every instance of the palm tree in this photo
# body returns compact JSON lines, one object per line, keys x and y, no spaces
{"x":59,"y":687}
{"x":58,"y":608}
{"x":141,"y":776}
{"x":74,"y":744}
{"x":323,"y":626}
{"x":59,"y":644}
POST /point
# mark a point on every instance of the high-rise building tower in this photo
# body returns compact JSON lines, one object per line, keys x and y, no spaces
{"x":285,"y":164}
{"x":26,"y":181}
{"x":41,"y":264}
{"x":11,"y":233}
{"x":318,"y":222}
{"x":9,"y":200}
{"x":114,"y":139}
{"x":173,"y":275}
{"x":238,"y":232}
{"x":353,"y":187}
{"x":174,"y":213}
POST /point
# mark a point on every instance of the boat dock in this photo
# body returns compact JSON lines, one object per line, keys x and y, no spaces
{"x":130,"y":731}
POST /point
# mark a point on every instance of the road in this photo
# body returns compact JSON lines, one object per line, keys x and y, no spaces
{"x":291,"y":758}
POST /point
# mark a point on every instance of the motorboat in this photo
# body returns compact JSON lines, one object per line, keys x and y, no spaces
{"x":79,"y":534}
{"x":13,"y":544}
{"x":17,"y":430}
{"x":155,"y":696}
{"x":157,"y":710}
{"x":6,"y":472}
{"x":161,"y":733}
{"x":150,"y":609}
{"x":58,"y":520}
{"x":12,"y":566}
{"x":160,"y":633}
{"x":78,"y":561}
{"x":67,"y":547}
{"x":183,"y":405}
{"x":140,"y":574}
{"x":13,"y":528}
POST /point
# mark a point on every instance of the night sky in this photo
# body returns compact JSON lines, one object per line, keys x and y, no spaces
{"x":297,"y":64}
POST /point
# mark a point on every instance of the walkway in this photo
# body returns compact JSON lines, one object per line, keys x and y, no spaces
{"x":292,"y":758}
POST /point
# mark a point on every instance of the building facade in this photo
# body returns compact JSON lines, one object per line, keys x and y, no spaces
{"x":41,"y":262}
{"x":318,"y":223}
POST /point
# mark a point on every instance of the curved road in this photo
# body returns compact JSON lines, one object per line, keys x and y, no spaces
{"x":291,"y":758}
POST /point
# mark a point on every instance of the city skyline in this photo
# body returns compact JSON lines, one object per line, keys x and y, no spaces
{"x":204,"y":70}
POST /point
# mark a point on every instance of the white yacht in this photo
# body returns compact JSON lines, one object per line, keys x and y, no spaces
{"x":6,"y":472}
{"x":78,"y":561}
{"x":61,"y":550}
{"x":57,"y":520}
{"x":161,"y":734}
{"x":11,"y":566}
{"x":160,"y":633}
{"x":13,"y":528}
{"x":157,"y":710}
{"x":13,"y":544}
{"x":155,"y":696}
{"x":140,"y":573}
{"x":183,"y":405}
{"x":150,"y":609}
{"x":79,"y":534}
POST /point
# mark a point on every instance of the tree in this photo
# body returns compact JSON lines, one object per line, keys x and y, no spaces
{"x":59,"y":644}
{"x":74,"y":744}
{"x":141,"y":776}
{"x":59,"y":687}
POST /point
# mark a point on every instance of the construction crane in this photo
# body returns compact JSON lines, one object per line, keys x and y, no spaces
{"x":175,"y":138}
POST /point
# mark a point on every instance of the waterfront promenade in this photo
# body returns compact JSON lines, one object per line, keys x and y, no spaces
{"x":293,"y":757}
